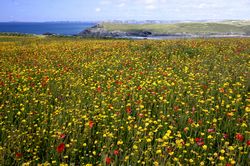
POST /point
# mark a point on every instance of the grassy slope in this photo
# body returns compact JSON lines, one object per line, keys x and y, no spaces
{"x":238,"y":27}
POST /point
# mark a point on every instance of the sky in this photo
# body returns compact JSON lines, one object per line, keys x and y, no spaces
{"x":101,"y":10}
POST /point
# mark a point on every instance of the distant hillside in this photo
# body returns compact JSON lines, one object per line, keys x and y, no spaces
{"x":188,"y":28}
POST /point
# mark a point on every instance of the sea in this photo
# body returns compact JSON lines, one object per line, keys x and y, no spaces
{"x":39,"y":28}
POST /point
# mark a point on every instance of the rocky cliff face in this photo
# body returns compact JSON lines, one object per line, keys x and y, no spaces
{"x":99,"y":31}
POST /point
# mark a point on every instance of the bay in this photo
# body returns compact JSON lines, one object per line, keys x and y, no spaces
{"x":38,"y":28}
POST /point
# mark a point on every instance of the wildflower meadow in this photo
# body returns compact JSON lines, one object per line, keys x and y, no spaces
{"x":67,"y":101}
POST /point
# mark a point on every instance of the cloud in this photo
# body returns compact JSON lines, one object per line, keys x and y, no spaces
{"x":105,"y":2}
{"x":121,"y":5}
{"x":98,"y":9}
{"x":151,"y":7}
{"x":151,"y":4}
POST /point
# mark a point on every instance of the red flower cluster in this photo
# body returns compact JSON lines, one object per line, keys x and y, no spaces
{"x":91,"y":124}
{"x":248,"y":142}
{"x":190,"y":121}
{"x":199,"y":141}
{"x":211,"y":130}
{"x":225,"y":135}
{"x":239,"y":137}
{"x":62,"y":136}
{"x":18,"y":155}
{"x":129,"y":110}
{"x":108,"y":160}
{"x":99,"y":89}
{"x":116,"y":152}
{"x":60,"y":148}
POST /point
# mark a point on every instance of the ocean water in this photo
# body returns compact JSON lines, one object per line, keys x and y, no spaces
{"x":60,"y":28}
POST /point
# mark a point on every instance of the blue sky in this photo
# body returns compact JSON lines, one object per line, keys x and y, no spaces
{"x":97,"y":10}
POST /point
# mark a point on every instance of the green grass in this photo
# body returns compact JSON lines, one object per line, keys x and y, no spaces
{"x":238,"y":27}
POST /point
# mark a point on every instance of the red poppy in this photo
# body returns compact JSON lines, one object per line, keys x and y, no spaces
{"x":62,"y":136}
{"x":139,"y":87}
{"x":239,"y":137}
{"x":248,"y":142}
{"x":60,"y":148}
{"x":199,"y":141}
{"x":185,"y":129}
{"x":190,"y":120}
{"x":225,"y":135}
{"x":222,"y":90}
{"x":176,"y":108}
{"x":116,"y":152}
{"x":227,"y":164}
{"x":118,"y":82}
{"x":18,"y":155}
{"x":108,"y":160}
{"x":99,"y":89}
{"x":91,"y":124}
{"x":211,"y":130}
{"x":2,"y":83}
{"x":140,"y":115}
{"x":128,"y":110}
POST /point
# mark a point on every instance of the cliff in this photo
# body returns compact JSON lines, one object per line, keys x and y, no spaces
{"x":204,"y":29}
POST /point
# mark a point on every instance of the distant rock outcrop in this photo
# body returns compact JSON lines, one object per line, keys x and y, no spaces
{"x":98,"y":31}
{"x":49,"y":34}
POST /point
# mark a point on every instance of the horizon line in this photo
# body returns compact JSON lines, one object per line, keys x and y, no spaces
{"x":121,"y":20}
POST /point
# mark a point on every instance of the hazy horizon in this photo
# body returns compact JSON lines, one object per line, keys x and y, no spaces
{"x":96,"y":21}
{"x":107,"y":10}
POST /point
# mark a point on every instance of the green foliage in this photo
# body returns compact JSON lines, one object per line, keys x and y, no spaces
{"x":182,"y":28}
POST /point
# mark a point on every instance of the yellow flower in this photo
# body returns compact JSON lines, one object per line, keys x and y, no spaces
{"x":156,"y":163}
{"x":243,"y":125}
{"x":247,"y":109}
{"x":204,"y":147}
{"x":233,"y":162}
{"x":63,"y":164}
{"x":231,"y":148}
{"x":126,"y":158}
{"x":171,"y":153}
{"x":135,"y":147}
{"x":209,"y":137}
{"x":222,"y":151}
{"x":88,"y":165}
{"x":119,"y":142}
{"x":191,"y":160}
{"x":158,"y":151}
{"x":221,"y":158}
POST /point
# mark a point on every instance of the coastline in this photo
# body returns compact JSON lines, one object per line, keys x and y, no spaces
{"x":167,"y":31}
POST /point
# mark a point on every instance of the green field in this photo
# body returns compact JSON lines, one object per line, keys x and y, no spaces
{"x":237,"y":27}
{"x":69,"y":101}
